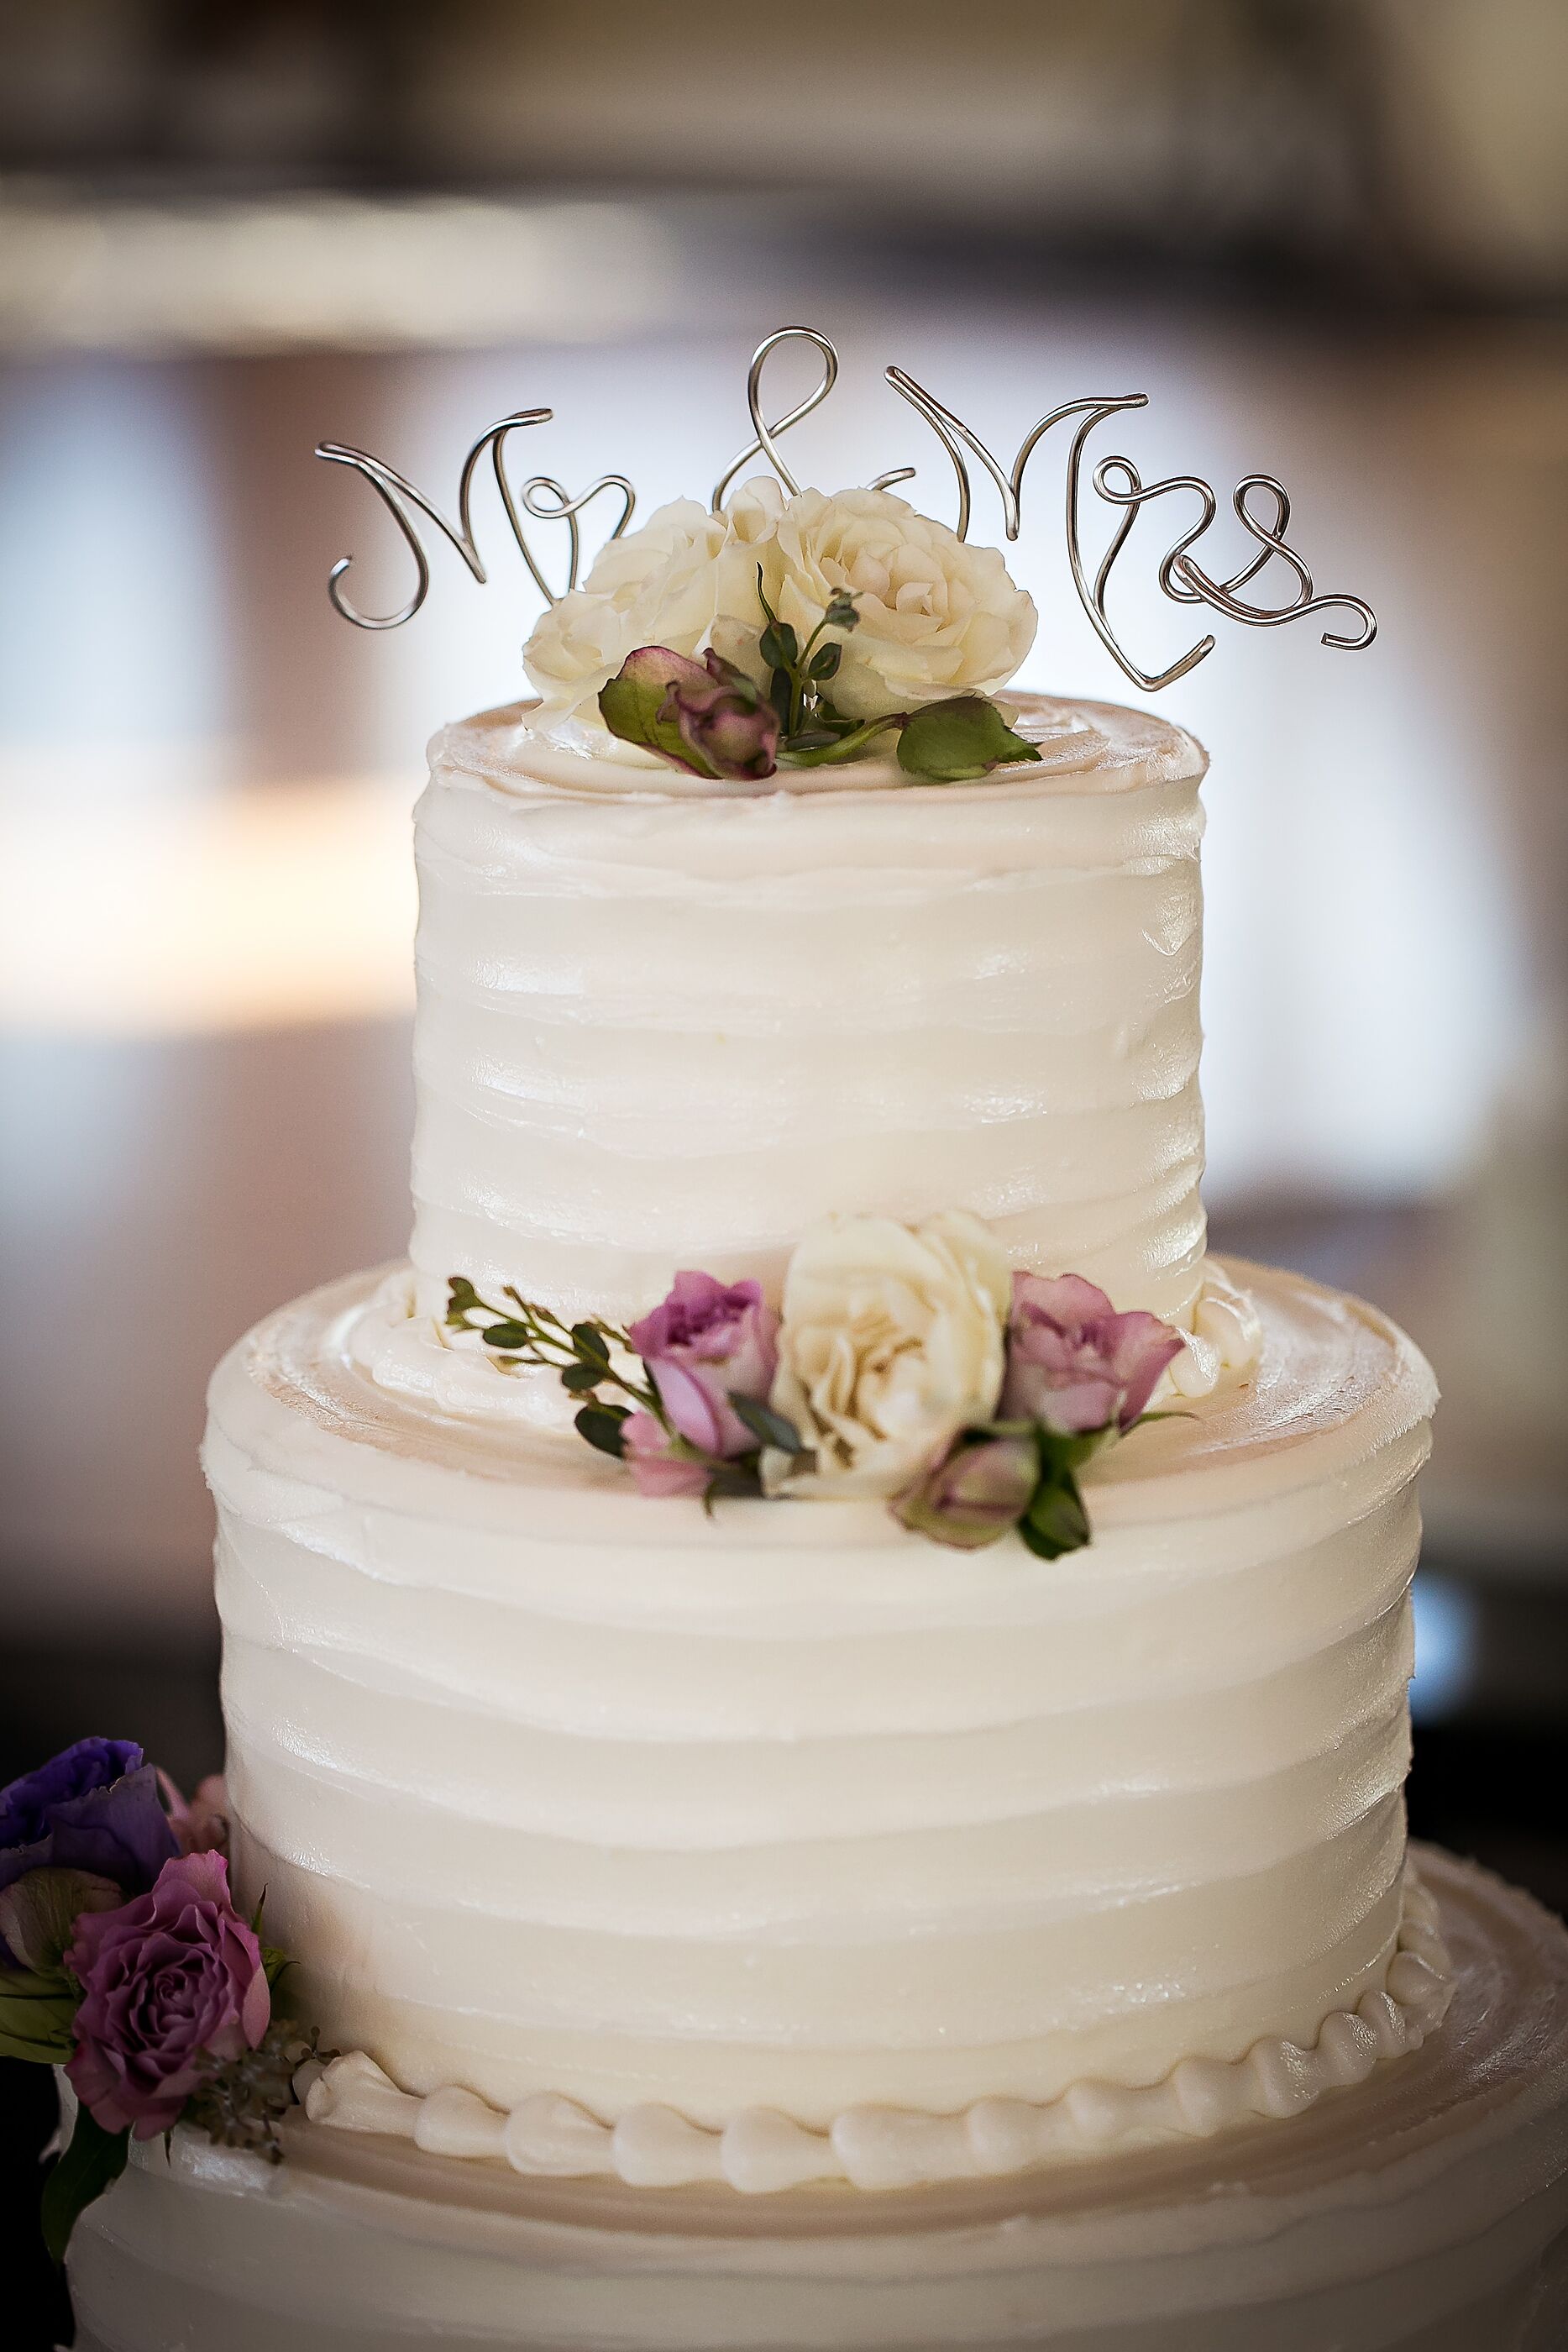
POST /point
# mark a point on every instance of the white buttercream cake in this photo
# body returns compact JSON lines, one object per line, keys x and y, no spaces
{"x":635,"y":1822}
{"x":768,"y":1855}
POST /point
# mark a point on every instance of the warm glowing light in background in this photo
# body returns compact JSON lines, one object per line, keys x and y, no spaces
{"x":307,"y":268}
{"x":256,"y":909}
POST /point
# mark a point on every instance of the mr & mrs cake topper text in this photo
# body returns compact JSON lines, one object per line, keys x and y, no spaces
{"x":1259,"y":501}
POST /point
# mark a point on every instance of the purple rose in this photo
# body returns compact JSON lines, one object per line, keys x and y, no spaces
{"x":983,"y":1488}
{"x":646,"y":1450}
{"x":1073,"y":1362}
{"x":169,"y":1981}
{"x":709,"y":1341}
{"x":93,"y":1808}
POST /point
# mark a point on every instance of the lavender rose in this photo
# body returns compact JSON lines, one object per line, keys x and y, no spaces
{"x":94,"y":1808}
{"x":1073,"y":1363}
{"x":647,"y":1449}
{"x":707,"y":1342}
{"x":976,"y":1495}
{"x":169,"y":1982}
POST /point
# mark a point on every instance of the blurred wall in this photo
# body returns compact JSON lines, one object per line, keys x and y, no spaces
{"x":1328,"y":236}
{"x":1406,"y":146}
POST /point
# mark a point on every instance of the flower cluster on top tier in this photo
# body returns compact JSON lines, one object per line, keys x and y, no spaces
{"x":826,"y":628}
{"x":123,"y":1959}
{"x":908,"y":1363}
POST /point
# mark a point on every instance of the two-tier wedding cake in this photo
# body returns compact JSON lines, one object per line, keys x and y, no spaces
{"x":815,"y":1693}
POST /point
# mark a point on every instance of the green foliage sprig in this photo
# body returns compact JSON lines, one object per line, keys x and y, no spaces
{"x":590,"y":1358}
{"x":241,"y":2101}
{"x":812,"y":732}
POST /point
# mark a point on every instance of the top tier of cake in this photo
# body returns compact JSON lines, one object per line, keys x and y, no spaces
{"x":665,"y":1024}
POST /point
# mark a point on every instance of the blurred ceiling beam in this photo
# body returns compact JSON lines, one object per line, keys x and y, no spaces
{"x":1407,"y":149}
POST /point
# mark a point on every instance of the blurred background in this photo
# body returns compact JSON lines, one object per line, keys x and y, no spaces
{"x":1329,"y":238}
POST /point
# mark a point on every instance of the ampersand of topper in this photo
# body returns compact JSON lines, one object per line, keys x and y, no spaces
{"x":1115,"y":480}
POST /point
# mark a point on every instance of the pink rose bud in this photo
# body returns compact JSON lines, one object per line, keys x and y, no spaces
{"x":724,"y":724}
{"x":169,"y":1982}
{"x":981,"y":1490}
{"x":1073,"y":1363}
{"x":704,"y":716}
{"x":707,"y":1342}
{"x":645,"y":1449}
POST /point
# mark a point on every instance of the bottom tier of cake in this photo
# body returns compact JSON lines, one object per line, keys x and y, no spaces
{"x":1426,"y":2210}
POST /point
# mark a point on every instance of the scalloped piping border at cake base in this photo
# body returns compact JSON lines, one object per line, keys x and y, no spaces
{"x":877,"y":2147}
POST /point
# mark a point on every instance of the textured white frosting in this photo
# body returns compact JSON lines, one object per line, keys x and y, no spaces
{"x":1424,"y":2208}
{"x":759,"y":2151}
{"x":552,"y":1788}
{"x":663,"y":1026}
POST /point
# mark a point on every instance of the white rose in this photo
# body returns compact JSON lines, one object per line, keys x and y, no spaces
{"x":933,"y":615}
{"x":891,"y":1340}
{"x":657,"y":586}
{"x":751,"y":521}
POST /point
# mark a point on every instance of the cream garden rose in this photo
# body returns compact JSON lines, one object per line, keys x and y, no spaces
{"x":657,"y":586}
{"x":933,"y":616}
{"x":892,"y":1340}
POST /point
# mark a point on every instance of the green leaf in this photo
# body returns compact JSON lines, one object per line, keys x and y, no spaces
{"x":38,"y":2008}
{"x":1056,"y":1520}
{"x":506,"y":1335}
{"x":39,"y":1915}
{"x":779,"y":645}
{"x":589,"y":1340}
{"x":951,"y":742}
{"x":842,"y":747}
{"x":1064,"y":1454}
{"x":462,"y":1299}
{"x":731,"y":1481}
{"x":826,"y":663}
{"x":782,"y":695}
{"x":94,"y":2160}
{"x":577,"y":1379}
{"x":770,"y":1428}
{"x":273,"y":1963}
{"x":602,"y":1425}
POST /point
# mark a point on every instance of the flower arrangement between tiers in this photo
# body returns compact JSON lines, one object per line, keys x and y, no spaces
{"x":828,"y":628}
{"x":909,"y":1363}
{"x":123,"y":1958}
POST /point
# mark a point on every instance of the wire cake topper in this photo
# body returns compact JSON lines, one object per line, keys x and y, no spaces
{"x":1114,"y":480}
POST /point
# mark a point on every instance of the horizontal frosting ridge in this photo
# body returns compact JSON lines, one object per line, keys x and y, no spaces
{"x":760,"y":2151}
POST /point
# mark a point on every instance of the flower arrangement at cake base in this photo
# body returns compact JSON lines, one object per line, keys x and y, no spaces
{"x":906,"y":1362}
{"x":123,"y":1959}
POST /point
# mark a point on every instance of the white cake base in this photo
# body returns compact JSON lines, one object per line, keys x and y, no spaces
{"x":1426,"y":2210}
